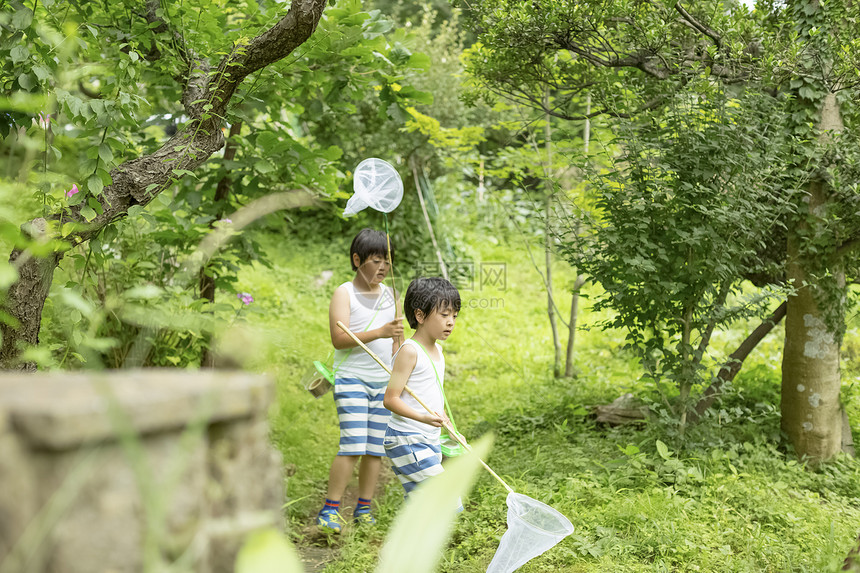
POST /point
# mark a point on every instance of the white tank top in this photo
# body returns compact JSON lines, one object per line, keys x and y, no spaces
{"x":422,"y":381}
{"x":366,"y":312}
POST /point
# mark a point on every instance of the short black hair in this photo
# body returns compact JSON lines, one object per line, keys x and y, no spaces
{"x":368,"y":242}
{"x":428,"y":294}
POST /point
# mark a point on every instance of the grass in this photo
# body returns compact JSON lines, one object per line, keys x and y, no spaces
{"x":730,"y":497}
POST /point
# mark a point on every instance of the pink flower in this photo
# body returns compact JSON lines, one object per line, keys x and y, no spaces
{"x":73,"y":190}
{"x":44,"y":120}
{"x":245,"y":297}
{"x":225,"y":221}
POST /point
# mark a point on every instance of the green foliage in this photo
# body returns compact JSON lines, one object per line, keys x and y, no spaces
{"x":678,"y":226}
{"x":107,"y":94}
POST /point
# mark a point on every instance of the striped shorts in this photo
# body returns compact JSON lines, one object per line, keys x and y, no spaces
{"x":413,"y":458}
{"x":361,"y":416}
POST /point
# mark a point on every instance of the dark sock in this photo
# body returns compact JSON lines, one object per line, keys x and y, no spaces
{"x":330,"y":506}
{"x":363,"y":506}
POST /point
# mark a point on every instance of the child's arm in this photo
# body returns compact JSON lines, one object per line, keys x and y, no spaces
{"x":338,"y":310}
{"x":404,"y":363}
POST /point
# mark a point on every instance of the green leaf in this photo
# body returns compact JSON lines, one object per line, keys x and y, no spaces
{"x":807,"y":93}
{"x":105,"y":176}
{"x":26,"y":81}
{"x":420,"y":61}
{"x":263,"y":166}
{"x":333,"y":153}
{"x":42,"y":72}
{"x":74,"y":104}
{"x":88,"y":213}
{"x":663,"y":450}
{"x":267,"y":551}
{"x":421,"y":529}
{"x":425,"y":98}
{"x":135,"y":210}
{"x":98,"y":107}
{"x":19,"y":53}
{"x":22,"y":18}
{"x":105,"y":153}
{"x":8,"y":319}
{"x":94,"y":203}
{"x":94,"y":184}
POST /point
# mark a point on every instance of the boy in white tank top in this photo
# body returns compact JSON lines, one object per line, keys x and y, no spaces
{"x":412,"y":440}
{"x":368,"y":308}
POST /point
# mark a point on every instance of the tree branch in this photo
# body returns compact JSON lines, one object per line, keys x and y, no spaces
{"x":848,"y":246}
{"x":709,"y":328}
{"x":698,"y":25}
{"x":733,"y":365}
{"x":276,"y":43}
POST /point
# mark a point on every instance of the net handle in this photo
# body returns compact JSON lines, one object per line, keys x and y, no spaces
{"x":448,"y":427}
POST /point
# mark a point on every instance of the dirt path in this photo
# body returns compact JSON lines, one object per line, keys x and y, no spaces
{"x":318,"y":548}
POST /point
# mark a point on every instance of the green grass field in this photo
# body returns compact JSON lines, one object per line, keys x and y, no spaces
{"x":727,"y":498}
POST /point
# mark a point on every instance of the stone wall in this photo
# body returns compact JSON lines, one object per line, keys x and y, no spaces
{"x":131,"y":471}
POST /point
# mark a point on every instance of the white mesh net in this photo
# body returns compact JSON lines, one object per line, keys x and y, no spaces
{"x":377,"y":185}
{"x":533,"y":527}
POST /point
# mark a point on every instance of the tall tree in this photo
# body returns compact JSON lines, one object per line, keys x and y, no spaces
{"x":635,"y":58}
{"x":152,"y":73}
{"x":207,"y":88}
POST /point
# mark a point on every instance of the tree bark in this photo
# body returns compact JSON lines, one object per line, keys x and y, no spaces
{"x":30,"y":292}
{"x":811,"y":382}
{"x":138,"y":181}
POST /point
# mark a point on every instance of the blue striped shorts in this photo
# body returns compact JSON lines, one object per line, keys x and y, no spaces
{"x":413,"y":458}
{"x":361,"y":415}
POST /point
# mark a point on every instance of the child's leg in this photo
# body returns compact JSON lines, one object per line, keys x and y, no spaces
{"x":375,"y":424}
{"x":339,"y":475}
{"x":368,"y":475}
{"x":350,"y":400}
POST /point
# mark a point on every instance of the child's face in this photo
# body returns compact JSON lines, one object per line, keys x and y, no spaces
{"x":439,"y":323}
{"x":373,"y":269}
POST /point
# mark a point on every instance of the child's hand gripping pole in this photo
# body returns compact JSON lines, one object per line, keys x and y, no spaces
{"x":448,"y":427}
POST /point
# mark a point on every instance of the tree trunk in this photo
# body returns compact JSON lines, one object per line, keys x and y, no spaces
{"x":580,"y":279}
{"x":29,"y":292}
{"x":556,"y":343}
{"x":207,"y":278}
{"x":811,"y":412}
{"x":571,"y":327}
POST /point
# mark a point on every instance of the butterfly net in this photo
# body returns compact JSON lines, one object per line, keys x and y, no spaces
{"x":533,"y":527}
{"x":377,"y":185}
